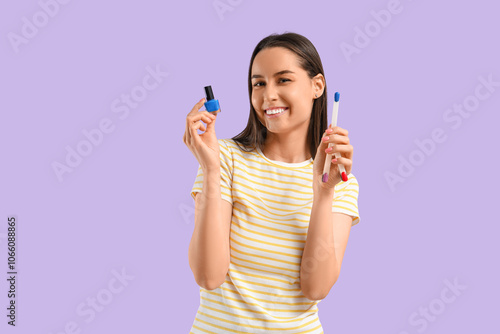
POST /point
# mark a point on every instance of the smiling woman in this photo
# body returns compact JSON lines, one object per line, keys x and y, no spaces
{"x":271,"y":91}
{"x":269,"y":235}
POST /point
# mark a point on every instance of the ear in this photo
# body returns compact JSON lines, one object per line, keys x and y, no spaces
{"x":318,"y":83}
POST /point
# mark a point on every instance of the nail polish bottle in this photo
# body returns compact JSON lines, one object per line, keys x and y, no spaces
{"x":211,"y":104}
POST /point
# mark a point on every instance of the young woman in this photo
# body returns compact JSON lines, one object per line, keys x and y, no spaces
{"x":269,"y":235}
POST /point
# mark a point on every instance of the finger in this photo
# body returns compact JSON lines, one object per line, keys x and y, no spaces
{"x":201,"y":115}
{"x":339,"y":138}
{"x":212,"y":114}
{"x":195,"y":137}
{"x":187,"y":132}
{"x":192,"y":115}
{"x":197,"y":118}
{"x":336,"y":130}
{"x":344,"y":161}
{"x":211,"y":125}
{"x":206,"y":119}
{"x":345,"y":150}
{"x":327,"y":139}
{"x":197,"y":106}
{"x":335,"y":139}
{"x":187,"y":135}
{"x":349,"y":152}
{"x":335,"y":148}
{"x":323,"y":146}
{"x":189,"y":119}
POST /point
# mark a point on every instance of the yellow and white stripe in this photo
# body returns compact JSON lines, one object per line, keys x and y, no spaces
{"x":272,"y":202}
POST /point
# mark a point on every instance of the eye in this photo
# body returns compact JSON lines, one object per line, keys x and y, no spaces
{"x":257,"y":83}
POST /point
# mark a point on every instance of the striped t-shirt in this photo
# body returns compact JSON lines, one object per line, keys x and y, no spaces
{"x":272,"y":202}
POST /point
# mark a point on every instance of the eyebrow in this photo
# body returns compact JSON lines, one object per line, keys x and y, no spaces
{"x":275,"y":74}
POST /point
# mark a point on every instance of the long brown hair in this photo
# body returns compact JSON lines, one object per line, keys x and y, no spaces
{"x":254,"y":135}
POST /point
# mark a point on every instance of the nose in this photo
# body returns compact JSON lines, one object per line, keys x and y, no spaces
{"x":270,"y":93}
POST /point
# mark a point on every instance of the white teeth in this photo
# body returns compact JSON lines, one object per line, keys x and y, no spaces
{"x":275,"y":111}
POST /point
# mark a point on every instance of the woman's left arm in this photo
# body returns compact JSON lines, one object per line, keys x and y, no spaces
{"x":328,"y":231}
{"x":324,"y":250}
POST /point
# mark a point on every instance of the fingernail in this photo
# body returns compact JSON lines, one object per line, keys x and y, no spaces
{"x":325,"y":138}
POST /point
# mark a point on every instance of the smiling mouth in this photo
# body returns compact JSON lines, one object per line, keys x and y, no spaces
{"x":275,"y":112}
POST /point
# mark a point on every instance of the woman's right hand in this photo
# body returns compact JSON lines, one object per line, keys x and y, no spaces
{"x":205,"y":146}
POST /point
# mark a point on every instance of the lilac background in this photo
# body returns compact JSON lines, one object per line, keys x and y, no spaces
{"x":128,"y":205}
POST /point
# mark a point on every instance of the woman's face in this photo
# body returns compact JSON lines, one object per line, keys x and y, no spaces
{"x":293,"y":90}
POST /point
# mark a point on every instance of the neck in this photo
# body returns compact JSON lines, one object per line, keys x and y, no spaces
{"x":288,"y":147}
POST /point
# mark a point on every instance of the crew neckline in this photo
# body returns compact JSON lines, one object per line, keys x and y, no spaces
{"x":285,"y":164}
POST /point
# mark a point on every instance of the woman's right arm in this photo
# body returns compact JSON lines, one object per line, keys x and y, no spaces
{"x":209,"y":252}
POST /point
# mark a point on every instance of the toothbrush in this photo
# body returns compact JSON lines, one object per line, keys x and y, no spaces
{"x":328,"y":159}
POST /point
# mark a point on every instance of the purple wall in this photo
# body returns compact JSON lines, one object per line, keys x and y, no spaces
{"x":102,"y":240}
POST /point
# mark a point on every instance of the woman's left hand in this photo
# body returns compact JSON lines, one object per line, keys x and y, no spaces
{"x":338,"y":137}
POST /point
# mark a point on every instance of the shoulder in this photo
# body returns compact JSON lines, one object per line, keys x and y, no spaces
{"x":350,"y":184}
{"x":351,"y":179}
{"x":230,"y":145}
{"x":226,"y":145}
{"x":226,"y":148}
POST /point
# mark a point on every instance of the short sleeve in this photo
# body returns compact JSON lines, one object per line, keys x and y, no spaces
{"x":345,"y":199}
{"x":226,"y":173}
